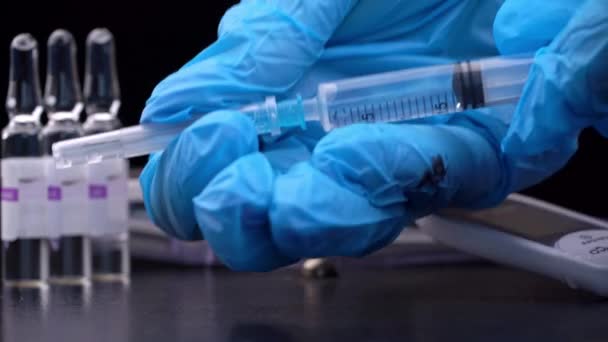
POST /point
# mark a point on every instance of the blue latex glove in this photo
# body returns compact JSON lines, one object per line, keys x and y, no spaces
{"x":265,"y":204}
{"x":568,"y":86}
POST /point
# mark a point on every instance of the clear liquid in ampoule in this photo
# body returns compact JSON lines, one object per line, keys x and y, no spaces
{"x":108,"y":179}
{"x":67,"y":209}
{"x":25,"y":252}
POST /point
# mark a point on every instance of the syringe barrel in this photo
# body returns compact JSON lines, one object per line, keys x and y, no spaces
{"x":388,"y":97}
{"x":422,"y":92}
{"x":503,"y":78}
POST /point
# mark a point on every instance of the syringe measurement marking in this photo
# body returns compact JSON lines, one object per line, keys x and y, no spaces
{"x":424,"y":104}
{"x":384,"y":112}
{"x":439,"y":106}
{"x":364,"y":111}
{"x":395,"y":108}
{"x":409,"y":103}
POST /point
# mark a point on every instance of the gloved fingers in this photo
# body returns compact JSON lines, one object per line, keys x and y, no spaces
{"x":264,"y":47}
{"x":365,"y":182}
{"x":581,"y":50}
{"x":524,"y":26}
{"x":567,"y":91}
{"x":232,"y":212}
{"x":282,"y":154}
{"x":370,"y":22}
{"x":320,"y":18}
{"x":602,"y":127}
{"x":172,"y":178}
{"x":422,"y":28}
{"x":314,"y":215}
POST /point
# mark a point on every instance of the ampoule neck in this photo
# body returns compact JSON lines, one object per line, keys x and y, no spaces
{"x":62,"y":117}
{"x":25,"y":116}
{"x":101,"y":122}
{"x":23,"y":123}
{"x":24,"y":119}
{"x":63,"y":123}
{"x":102,"y":116}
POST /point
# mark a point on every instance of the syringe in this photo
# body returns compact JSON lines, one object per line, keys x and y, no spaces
{"x":395,"y":96}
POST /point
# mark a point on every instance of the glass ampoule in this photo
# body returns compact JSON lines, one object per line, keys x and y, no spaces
{"x":25,"y":250}
{"x":67,"y":188}
{"x":108,"y":179}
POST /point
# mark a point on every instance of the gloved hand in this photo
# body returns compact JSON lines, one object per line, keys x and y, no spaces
{"x":264,"y":204}
{"x":568,"y":86}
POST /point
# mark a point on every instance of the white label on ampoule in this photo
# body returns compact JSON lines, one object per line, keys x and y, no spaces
{"x":108,"y":197}
{"x":67,"y":194}
{"x":23,"y":196}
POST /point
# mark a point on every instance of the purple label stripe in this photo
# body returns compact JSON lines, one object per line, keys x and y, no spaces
{"x":53,"y":193}
{"x":97,"y":191}
{"x":9,"y":194}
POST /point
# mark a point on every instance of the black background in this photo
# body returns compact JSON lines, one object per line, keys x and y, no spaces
{"x":155,"y":39}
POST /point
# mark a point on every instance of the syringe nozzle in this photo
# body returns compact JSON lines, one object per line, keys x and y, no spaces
{"x":62,"y":91}
{"x":101,"y":87}
{"x":23,"y":95}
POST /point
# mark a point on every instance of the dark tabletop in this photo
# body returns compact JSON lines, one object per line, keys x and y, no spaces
{"x":425,"y":303}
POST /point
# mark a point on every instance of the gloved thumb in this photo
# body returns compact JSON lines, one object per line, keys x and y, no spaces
{"x":567,"y":91}
{"x":264,"y":47}
{"x":524,"y":26}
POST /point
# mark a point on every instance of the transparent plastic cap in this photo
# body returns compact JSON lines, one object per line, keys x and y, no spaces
{"x":62,"y":90}
{"x":123,"y":143}
{"x":24,"y":95}
{"x":101,"y":86}
{"x":268,"y":116}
